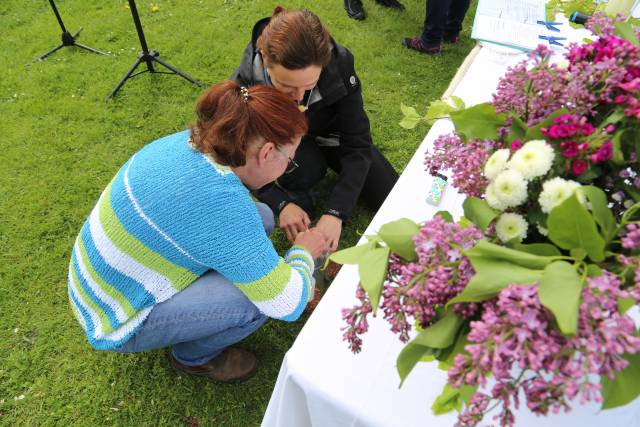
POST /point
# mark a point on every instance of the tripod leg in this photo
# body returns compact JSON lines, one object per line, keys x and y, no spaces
{"x":178,"y":72}
{"x":40,"y":58}
{"x":90,"y":49}
{"x":124,"y":79}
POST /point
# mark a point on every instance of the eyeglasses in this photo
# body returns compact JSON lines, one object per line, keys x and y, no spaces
{"x":292,"y":165}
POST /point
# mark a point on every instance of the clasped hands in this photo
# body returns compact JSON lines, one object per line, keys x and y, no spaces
{"x":319,"y":240}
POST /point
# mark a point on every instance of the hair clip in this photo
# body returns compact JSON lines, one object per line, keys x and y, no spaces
{"x":245,"y":93}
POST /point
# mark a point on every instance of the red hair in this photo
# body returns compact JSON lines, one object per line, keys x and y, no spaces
{"x":295,"y":39}
{"x":228,"y":121}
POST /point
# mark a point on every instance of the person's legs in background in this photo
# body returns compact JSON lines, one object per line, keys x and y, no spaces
{"x":457,"y":12}
{"x":201,"y":322}
{"x":443,"y":22}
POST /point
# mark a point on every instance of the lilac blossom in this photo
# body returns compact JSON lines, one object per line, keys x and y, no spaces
{"x":413,"y":290}
{"x":466,"y":162}
{"x":516,"y":332}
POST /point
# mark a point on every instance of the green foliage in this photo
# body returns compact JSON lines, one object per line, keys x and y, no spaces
{"x":437,"y":109}
{"x":625,"y":387}
{"x":61,"y":145}
{"x":601,"y":212}
{"x":572,"y":226}
{"x":480,"y":121}
{"x":442,"y":333}
{"x":559,"y":291}
{"x":398,"y":235}
{"x":373,"y":270}
{"x":479,"y":212}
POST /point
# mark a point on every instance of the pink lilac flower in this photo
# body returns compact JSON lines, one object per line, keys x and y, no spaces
{"x":413,"y":290}
{"x":533,"y":88}
{"x":517,"y":332}
{"x":631,"y":239}
{"x":466,"y":162}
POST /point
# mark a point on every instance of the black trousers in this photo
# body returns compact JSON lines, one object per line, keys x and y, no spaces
{"x":313,"y":161}
{"x":443,"y":19}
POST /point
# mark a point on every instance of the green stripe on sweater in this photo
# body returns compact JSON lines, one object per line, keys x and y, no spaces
{"x":180,"y":277}
{"x":106,"y":288}
{"x":269,"y":286}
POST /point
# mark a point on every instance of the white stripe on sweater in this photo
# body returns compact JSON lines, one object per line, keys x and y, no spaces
{"x":96,"y":289}
{"x":155,"y":283}
{"x":286,"y":302}
{"x":148,"y":220}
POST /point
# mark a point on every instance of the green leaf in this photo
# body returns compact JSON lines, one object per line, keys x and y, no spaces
{"x":458,"y":103}
{"x":480,"y":121}
{"x":409,"y":122}
{"x":493,"y":275}
{"x":441,"y":334}
{"x":398,"y":235}
{"x":559,"y":291}
{"x":479,"y":212}
{"x":625,"y":387}
{"x":542,"y":249}
{"x":410,"y":355}
{"x":444,"y":215}
{"x":593,"y":270}
{"x":571,"y":226}
{"x":373,"y":270}
{"x":624,"y":304}
{"x":601,"y":212}
{"x":617,"y":156}
{"x":491,"y":250}
{"x":352,"y":255}
{"x":518,"y":129}
{"x":409,"y":112}
{"x":626,"y":31}
{"x":438,"y":109}
{"x":447,"y":401}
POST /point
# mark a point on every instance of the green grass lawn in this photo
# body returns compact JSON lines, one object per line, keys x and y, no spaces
{"x":61,"y":144}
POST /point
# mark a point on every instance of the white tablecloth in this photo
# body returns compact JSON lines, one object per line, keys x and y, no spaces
{"x":321,"y":383}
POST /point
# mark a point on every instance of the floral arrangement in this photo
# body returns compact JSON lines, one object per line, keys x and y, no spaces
{"x":527,"y":296}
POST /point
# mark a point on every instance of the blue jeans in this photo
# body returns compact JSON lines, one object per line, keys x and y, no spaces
{"x":443,"y":20}
{"x":206,"y":317}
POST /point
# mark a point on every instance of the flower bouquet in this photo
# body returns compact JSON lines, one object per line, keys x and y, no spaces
{"x":527,"y":296}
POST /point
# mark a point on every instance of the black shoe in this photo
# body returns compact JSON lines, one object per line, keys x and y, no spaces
{"x":393,"y":4}
{"x":451,"y":39}
{"x":354,"y":9}
{"x":416,"y":43}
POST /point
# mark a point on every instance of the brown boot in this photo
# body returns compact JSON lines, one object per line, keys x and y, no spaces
{"x":232,"y":365}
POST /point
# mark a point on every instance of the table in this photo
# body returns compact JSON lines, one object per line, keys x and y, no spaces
{"x":321,"y":383}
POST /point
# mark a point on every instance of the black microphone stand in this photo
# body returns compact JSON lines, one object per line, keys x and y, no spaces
{"x":68,"y":39}
{"x":148,"y":57}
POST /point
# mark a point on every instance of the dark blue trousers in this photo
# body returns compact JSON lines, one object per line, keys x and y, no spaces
{"x":443,"y":20}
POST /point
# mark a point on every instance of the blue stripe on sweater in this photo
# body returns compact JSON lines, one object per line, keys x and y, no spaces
{"x":85,"y":315}
{"x":132,"y":290}
{"x":111,"y":315}
{"x":141,"y":230}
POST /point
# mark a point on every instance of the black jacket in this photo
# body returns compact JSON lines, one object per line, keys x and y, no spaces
{"x":339,"y":111}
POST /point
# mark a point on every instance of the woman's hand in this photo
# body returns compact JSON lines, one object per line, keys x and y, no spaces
{"x":293,"y":220}
{"x":313,"y":241}
{"x":331,"y":227}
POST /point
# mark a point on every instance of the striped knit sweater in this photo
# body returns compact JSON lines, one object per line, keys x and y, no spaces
{"x":168,"y":216}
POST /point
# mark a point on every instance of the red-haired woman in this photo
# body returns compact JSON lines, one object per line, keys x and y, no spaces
{"x":176,"y":252}
{"x":293,"y":52}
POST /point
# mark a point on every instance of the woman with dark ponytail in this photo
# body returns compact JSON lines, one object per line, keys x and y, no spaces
{"x":293,"y":52}
{"x":176,"y":252}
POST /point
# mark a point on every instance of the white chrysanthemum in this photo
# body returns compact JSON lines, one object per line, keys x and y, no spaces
{"x":556,"y":191}
{"x":496,"y":163}
{"x":492,"y":200}
{"x":510,"y":188}
{"x":543,"y":231}
{"x":533,"y":159}
{"x":511,"y":226}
